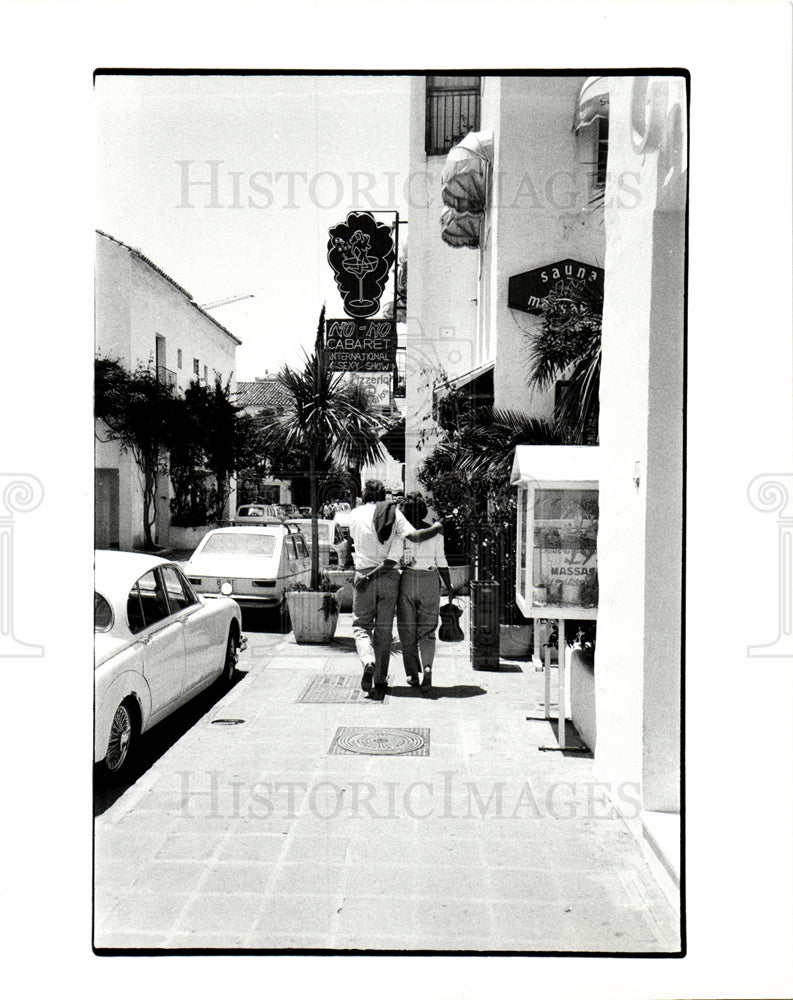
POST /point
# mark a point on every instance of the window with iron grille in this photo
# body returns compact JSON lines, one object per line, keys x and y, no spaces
{"x":601,"y":152}
{"x":452,"y":111}
{"x":593,"y":153}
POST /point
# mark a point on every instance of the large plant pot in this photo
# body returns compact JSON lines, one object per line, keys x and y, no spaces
{"x":342,"y":578}
{"x":187,"y":538}
{"x":514,"y":641}
{"x":312,"y":622}
{"x":571,"y":593}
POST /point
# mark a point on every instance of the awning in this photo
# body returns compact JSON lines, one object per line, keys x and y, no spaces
{"x":461,"y":229}
{"x":593,"y":101}
{"x":477,"y":383}
{"x":464,"y":178}
{"x":464,"y":188}
{"x":555,"y":463}
{"x":472,"y":376}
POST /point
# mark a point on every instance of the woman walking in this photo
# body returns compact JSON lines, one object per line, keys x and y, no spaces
{"x":420,"y":595}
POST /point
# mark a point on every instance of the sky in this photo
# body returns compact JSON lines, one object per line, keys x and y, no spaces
{"x":229,"y":184}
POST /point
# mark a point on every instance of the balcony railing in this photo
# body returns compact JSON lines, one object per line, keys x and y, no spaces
{"x":452,"y":112}
{"x":166,"y":376}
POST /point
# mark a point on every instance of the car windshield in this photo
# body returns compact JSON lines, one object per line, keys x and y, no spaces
{"x":103,"y":616}
{"x":240,"y":544}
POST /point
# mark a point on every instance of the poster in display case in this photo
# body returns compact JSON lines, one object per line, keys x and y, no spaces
{"x":558,"y":513}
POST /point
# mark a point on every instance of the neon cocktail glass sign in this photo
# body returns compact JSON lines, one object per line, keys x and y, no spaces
{"x":361,"y":252}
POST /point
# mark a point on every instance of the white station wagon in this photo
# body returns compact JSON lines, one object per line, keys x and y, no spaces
{"x":255,"y":563}
{"x":157,"y":645}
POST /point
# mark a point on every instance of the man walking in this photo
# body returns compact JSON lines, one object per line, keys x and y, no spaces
{"x":377,"y":530}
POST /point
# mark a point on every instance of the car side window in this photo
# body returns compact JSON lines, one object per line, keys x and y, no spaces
{"x":289,"y":543}
{"x":134,"y":611}
{"x":153,"y":602}
{"x":190,"y":594}
{"x":103,"y":614}
{"x":180,"y":595}
{"x":302,"y":548}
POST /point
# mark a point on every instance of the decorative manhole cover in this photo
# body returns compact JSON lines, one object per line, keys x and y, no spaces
{"x":381,"y":741}
{"x":342,"y":689}
{"x":227,"y":722}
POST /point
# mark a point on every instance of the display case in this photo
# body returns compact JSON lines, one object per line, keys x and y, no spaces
{"x":557,"y":573}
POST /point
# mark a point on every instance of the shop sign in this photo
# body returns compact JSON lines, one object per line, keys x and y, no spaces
{"x":527,"y":290}
{"x":378,"y":387}
{"x":360,"y":345}
{"x":567,"y":565}
{"x":567,"y":575}
{"x":361,"y":252}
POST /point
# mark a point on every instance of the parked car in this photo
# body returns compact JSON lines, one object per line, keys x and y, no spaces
{"x":331,"y":539}
{"x":157,"y":645}
{"x":341,"y":519}
{"x":259,"y":562}
{"x":259,"y":513}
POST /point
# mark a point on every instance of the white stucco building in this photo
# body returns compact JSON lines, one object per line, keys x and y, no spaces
{"x":143,"y":316}
{"x":606,"y":188}
{"x":540,"y":177}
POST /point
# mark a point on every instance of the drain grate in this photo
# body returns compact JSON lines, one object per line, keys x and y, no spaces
{"x":343,"y":689}
{"x":381,"y":742}
{"x":227,"y":722}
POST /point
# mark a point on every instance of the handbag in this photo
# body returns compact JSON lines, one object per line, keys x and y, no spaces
{"x":450,"y":630}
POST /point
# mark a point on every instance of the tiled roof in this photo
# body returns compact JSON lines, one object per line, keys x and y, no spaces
{"x":264,"y":392}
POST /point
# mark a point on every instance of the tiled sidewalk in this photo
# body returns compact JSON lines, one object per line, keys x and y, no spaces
{"x":253,"y":836}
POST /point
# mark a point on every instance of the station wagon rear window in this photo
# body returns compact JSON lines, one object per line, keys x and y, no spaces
{"x":323,"y":531}
{"x":240,"y":545}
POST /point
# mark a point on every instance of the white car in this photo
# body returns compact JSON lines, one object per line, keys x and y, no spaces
{"x":258,"y":563}
{"x":259,"y":513}
{"x":331,"y":538}
{"x":157,"y":645}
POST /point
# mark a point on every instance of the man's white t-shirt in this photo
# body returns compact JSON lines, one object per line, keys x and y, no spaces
{"x":369,"y":550}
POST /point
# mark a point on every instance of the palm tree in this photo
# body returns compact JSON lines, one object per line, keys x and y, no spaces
{"x":488,"y":437}
{"x":568,"y":344}
{"x":325,"y":418}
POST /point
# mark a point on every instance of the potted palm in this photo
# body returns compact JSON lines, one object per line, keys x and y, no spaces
{"x":326,"y":418}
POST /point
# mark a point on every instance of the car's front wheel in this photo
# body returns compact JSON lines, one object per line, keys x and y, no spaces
{"x":232,"y":657}
{"x":123,"y":736}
